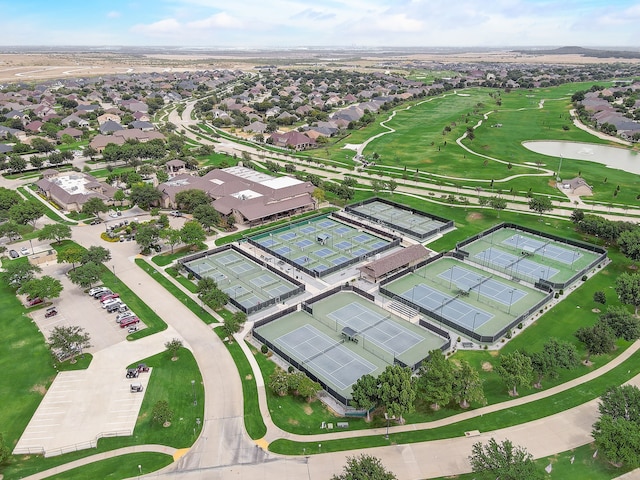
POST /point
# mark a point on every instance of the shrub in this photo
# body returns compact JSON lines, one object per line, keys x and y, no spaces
{"x":584,"y":278}
{"x":264,"y":349}
{"x":600,"y":297}
{"x":556,"y":295}
{"x":520,"y":326}
{"x":290,"y":369}
{"x":508,"y":335}
{"x":561,"y":292}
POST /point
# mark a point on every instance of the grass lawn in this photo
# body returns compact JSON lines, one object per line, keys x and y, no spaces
{"x":584,"y":466}
{"x":47,"y":211}
{"x":123,"y":466}
{"x":252,"y":418}
{"x":170,"y":381}
{"x":191,"y":304}
{"x":182,"y":280}
{"x":165,"y":259}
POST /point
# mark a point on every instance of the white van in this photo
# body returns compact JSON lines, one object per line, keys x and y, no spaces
{"x":113,"y":301}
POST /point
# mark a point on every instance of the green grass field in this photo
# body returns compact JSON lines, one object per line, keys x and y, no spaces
{"x":123,"y":466}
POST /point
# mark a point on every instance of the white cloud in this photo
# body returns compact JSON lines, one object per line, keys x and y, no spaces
{"x":397,"y":23}
{"x":114,"y":14}
{"x":162,"y":27}
{"x":219,"y":20}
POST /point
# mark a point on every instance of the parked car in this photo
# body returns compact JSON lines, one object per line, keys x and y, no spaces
{"x":142,"y":367}
{"x":95,"y":221}
{"x":109,"y":296}
{"x":136,"y":387}
{"x":132,"y":373}
{"x":24,"y":251}
{"x":51,"y":311}
{"x":13,"y":254}
{"x":111,"y":301}
{"x":127,"y":322}
{"x":122,"y":316}
{"x":123,"y":308}
{"x":176,"y":213}
{"x":102,"y":292}
{"x":132,"y":329}
{"x":34,"y":301}
{"x":95,"y":290}
{"x":114,"y":307}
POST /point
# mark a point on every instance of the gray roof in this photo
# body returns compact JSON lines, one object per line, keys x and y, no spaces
{"x":395,"y":260}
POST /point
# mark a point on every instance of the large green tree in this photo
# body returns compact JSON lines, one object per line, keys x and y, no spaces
{"x":436,"y":379}
{"x":628,"y":289}
{"x":10,"y":229}
{"x":43,"y":287}
{"x":54,"y":231}
{"x":145,"y":196}
{"x":598,"y":339}
{"x":94,"y":206}
{"x":86,"y":275}
{"x":96,"y":254}
{"x":629,"y":243}
{"x":188,"y":200}
{"x":364,"y":467}
{"x":171,"y":236}
{"x":540,"y":204}
{"x":555,"y":355}
{"x":467,"y":386}
{"x":8,"y":198}
{"x":68,"y":341}
{"x":147,"y":235}
{"x":192,"y":233}
{"x":71,"y":254}
{"x":505,"y":461}
{"x":206,"y":215}
{"x":27,"y":212}
{"x":365,"y":394}
{"x":623,"y":324}
{"x":515,"y":370}
{"x":397,"y":391}
{"x":17,"y":274}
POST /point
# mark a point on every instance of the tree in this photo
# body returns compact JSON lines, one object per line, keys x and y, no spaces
{"x":540,"y":205}
{"x":192,"y":233}
{"x":69,"y":341}
{"x":308,"y":388}
{"x":94,"y":206}
{"x":628,"y":289}
{"x":617,"y":431}
{"x":364,"y":394}
{"x":36,"y":162}
{"x":5,"y":451}
{"x":555,"y":355}
{"x":278,"y":382}
{"x":189,"y":199}
{"x":577,"y":216}
{"x":17,"y":274}
{"x":436,"y":379}
{"x":71,"y":254}
{"x":144,"y":196}
{"x":318,"y":195}
{"x":54,"y":231}
{"x":364,"y":467}
{"x":44,"y":287}
{"x":89,"y":152}
{"x":377,"y":185}
{"x":27,"y":212}
{"x":597,"y":339}
{"x":173,"y":346}
{"x":207,"y":215}
{"x":146,"y":235}
{"x":119,"y":196}
{"x":629,"y":243}
{"x":397,"y":391}
{"x":234,"y":323}
{"x":10,"y":229}
{"x":16,"y":163}
{"x":392,"y":185}
{"x":498,"y":204}
{"x":515,"y":370}
{"x":467,"y":386}
{"x":622,"y":323}
{"x":86,"y":275}
{"x":96,"y":254}
{"x":161,"y":413}
{"x":171,"y":236}
{"x":600,"y":297}
{"x":8,"y":198}
{"x":504,"y":461}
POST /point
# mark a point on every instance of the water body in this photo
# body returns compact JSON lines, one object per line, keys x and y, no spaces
{"x":612,"y":157}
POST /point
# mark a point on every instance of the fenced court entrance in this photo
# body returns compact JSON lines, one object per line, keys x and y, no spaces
{"x":531,"y":256}
{"x":321,"y":245}
{"x":464,"y":297}
{"x":343,"y":336}
{"x":404,"y":219}
{"x":250,"y":284}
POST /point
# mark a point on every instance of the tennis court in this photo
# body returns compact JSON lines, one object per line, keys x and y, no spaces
{"x":396,"y":216}
{"x":316,"y":340}
{"x":246,"y":282}
{"x":321,"y":245}
{"x":464,"y":296}
{"x":528,"y":256}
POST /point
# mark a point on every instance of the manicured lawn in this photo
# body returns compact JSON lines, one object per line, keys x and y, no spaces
{"x":82,"y":363}
{"x":583,"y":467}
{"x":123,"y":466}
{"x":192,"y":305}
{"x":48,"y":212}
{"x":170,"y":381}
{"x":165,"y":259}
{"x":182,"y":280}
{"x":252,"y":418}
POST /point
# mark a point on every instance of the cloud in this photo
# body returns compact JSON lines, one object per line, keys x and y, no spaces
{"x":219,"y":20}
{"x":114,"y":14}
{"x":162,"y":27}
{"x":312,"y":14}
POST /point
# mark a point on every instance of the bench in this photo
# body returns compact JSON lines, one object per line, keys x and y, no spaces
{"x":343,"y":424}
{"x":467,"y":345}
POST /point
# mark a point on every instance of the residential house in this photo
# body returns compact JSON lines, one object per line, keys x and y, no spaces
{"x":293,"y":139}
{"x":109,"y":117}
{"x":71,"y":191}
{"x":80,"y":122}
{"x":72,"y":132}
{"x":109,"y":127}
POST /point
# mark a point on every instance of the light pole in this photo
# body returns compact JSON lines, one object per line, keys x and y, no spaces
{"x":140,"y":469}
{"x":510,"y":302}
{"x":479,"y":285}
{"x":386,"y":417}
{"x":559,"y":167}
{"x":31,"y":245}
{"x":193,"y":389}
{"x":113,"y":267}
{"x":473,"y":329}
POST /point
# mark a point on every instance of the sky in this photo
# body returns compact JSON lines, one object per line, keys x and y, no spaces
{"x":346,"y":23}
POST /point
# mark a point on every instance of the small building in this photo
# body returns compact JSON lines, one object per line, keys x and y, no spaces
{"x":576,"y":186}
{"x":407,"y":257}
{"x":70,"y":191}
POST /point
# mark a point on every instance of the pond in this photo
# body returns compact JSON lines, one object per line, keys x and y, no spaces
{"x":613,"y":157}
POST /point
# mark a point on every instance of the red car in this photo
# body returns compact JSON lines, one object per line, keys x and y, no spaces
{"x":129,"y":321}
{"x":110,"y":296}
{"x":34,"y":301}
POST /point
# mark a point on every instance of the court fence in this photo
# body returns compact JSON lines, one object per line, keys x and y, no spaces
{"x":444,"y":321}
{"x":601,"y":252}
{"x":447,"y":224}
{"x":299,"y":286}
{"x":328,"y":271}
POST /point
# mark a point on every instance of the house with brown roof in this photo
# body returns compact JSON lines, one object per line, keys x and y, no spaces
{"x":119,"y":137}
{"x":293,"y":139}
{"x":70,"y":191}
{"x":251,"y":197}
{"x":576,"y":186}
{"x":72,"y":132}
{"x":405,"y":258}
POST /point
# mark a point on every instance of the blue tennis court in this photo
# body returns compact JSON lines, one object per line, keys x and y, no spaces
{"x":483,"y":285}
{"x":327,"y":223}
{"x":343,"y":245}
{"x":324,"y":252}
{"x":359,"y":251}
{"x":342,"y":230}
{"x":304,"y":243}
{"x":449,"y":307}
{"x":320,"y":268}
{"x":518,"y":265}
{"x":378,"y":244}
{"x":339,"y":260}
{"x":308,"y":229}
{"x":288,"y":236}
{"x":547,"y":249}
{"x":267,"y":242}
{"x":302,"y":260}
{"x":362,"y":238}
{"x":283,"y":250}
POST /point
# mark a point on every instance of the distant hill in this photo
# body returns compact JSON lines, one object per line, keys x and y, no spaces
{"x":587,"y":52}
